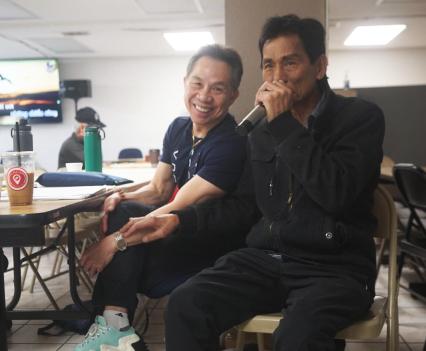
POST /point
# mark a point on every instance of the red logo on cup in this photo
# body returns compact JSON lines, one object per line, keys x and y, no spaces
{"x":17,"y":178}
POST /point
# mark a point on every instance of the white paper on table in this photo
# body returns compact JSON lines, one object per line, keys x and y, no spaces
{"x":64,"y":192}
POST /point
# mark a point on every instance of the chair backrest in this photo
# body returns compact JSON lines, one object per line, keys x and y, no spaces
{"x":387,"y":161}
{"x":385,"y":212}
{"x":130,"y":153}
{"x":411,"y":182}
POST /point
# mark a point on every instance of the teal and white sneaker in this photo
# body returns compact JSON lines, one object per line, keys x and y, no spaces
{"x":102,"y":337}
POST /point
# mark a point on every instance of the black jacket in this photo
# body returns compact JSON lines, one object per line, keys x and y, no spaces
{"x":306,"y":193}
{"x":72,"y":150}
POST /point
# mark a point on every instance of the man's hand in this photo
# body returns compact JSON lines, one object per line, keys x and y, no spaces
{"x":97,"y":256}
{"x":110,"y":204}
{"x":276,"y":97}
{"x":149,"y":228}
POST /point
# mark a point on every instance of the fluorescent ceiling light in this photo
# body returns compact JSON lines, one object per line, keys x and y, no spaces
{"x":373,"y":35}
{"x":188,"y":41}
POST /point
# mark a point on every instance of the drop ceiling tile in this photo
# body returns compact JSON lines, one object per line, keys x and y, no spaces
{"x":61,"y":45}
{"x":170,"y":6}
{"x":11,"y":11}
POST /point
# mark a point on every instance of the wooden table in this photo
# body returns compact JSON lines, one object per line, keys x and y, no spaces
{"x":24,"y":226}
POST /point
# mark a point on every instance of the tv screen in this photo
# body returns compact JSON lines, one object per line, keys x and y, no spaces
{"x":29,"y":89}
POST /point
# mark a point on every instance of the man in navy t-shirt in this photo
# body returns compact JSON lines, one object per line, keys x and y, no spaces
{"x":202,"y":158}
{"x":210,"y":157}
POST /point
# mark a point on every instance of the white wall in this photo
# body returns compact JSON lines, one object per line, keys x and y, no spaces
{"x":137,"y":98}
{"x":377,"y":68}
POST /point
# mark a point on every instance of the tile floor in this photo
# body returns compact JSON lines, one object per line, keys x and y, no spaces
{"x":23,"y":336}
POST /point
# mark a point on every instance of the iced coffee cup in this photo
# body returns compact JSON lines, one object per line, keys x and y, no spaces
{"x":19,"y":176}
{"x":154,"y":156}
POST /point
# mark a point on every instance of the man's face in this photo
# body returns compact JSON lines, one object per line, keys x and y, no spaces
{"x":80,"y":130}
{"x":284,"y":58}
{"x":208,"y":92}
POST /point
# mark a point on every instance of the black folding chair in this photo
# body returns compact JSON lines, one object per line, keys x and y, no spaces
{"x":411,"y":181}
{"x":130,"y":153}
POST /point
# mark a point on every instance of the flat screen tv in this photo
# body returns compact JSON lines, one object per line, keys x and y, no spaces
{"x":30,"y":89}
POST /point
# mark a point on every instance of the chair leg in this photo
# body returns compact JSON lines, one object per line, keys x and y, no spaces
{"x":392,"y":335}
{"x":24,"y":275}
{"x":55,"y":264}
{"x":41,"y":281}
{"x":83,"y":275}
{"x":84,"y":278}
{"x":241,"y":340}
{"x":380,"y":256}
{"x":37,"y":265}
{"x":417,"y":264}
{"x":143,"y":312}
{"x":58,"y":267}
{"x":260,"y":341}
{"x":140,"y":312}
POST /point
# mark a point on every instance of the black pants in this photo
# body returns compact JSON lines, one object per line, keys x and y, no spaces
{"x":243,"y":283}
{"x":154,"y":269}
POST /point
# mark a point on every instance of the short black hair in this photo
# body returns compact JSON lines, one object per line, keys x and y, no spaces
{"x":221,"y":53}
{"x":310,"y":31}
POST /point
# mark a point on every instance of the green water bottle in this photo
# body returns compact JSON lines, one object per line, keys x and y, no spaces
{"x":92,"y":149}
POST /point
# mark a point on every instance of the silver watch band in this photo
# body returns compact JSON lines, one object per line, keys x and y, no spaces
{"x":120,"y":242}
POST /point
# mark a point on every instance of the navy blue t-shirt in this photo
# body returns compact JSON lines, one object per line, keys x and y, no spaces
{"x":218,"y":158}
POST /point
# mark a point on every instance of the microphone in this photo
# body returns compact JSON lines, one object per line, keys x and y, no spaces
{"x":251,"y":120}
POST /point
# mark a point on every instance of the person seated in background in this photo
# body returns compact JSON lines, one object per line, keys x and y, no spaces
{"x":315,"y":163}
{"x":72,"y":149}
{"x":202,"y":158}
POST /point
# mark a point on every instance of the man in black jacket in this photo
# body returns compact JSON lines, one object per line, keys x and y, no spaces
{"x":306,"y":199}
{"x":72,"y":149}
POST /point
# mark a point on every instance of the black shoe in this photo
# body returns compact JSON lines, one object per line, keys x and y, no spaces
{"x":251,"y":347}
{"x":4,"y":263}
{"x":340,"y":344}
{"x":140,"y":345}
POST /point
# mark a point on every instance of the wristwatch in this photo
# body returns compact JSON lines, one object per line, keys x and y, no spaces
{"x":120,"y":241}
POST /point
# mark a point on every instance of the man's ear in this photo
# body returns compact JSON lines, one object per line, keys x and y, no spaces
{"x":235,"y":95}
{"x":322,"y":63}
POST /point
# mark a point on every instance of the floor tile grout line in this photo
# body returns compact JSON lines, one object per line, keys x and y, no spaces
{"x":60,"y":347}
{"x":405,"y":342}
{"x":13,"y":332}
{"x":66,"y":341}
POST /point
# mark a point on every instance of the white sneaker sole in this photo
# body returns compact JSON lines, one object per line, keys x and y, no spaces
{"x":124,"y":344}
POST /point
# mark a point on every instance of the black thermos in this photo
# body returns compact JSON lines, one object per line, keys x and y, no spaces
{"x":24,"y":135}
